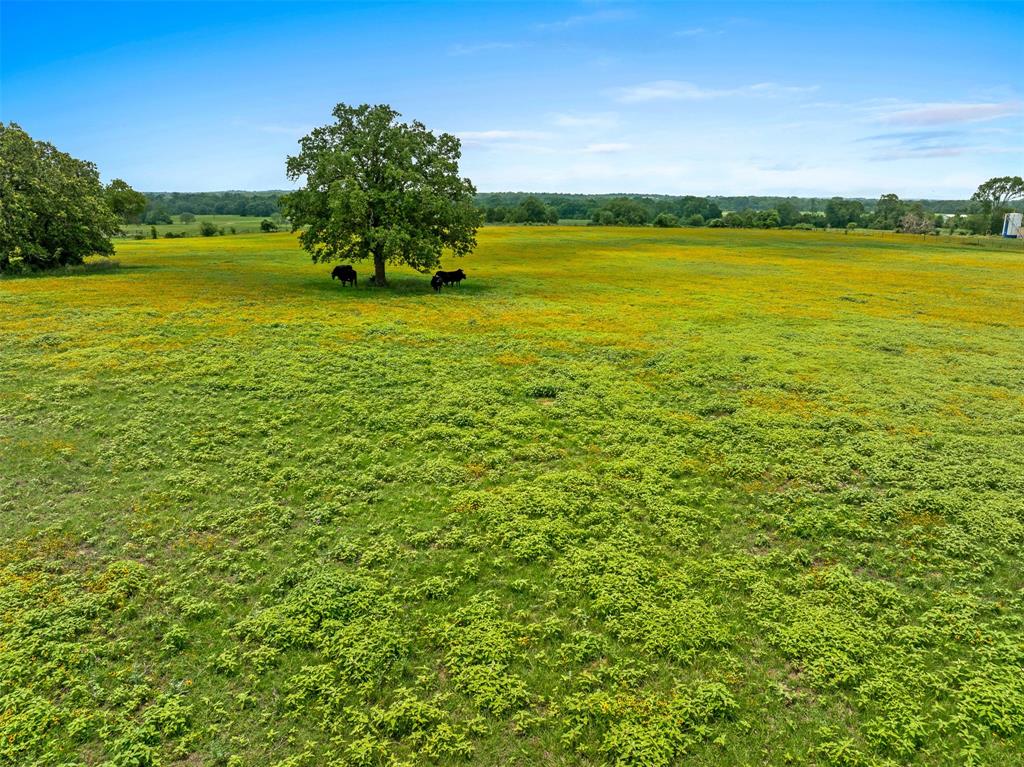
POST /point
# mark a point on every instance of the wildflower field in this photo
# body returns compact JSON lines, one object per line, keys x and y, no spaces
{"x":628,"y":496}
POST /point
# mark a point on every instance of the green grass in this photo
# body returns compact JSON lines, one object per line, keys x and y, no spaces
{"x":629,"y":496}
{"x":241,"y":224}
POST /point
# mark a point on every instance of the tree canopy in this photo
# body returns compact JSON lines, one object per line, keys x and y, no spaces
{"x":997,"y":192}
{"x":54,"y":210}
{"x":381,"y":189}
{"x":125,"y":202}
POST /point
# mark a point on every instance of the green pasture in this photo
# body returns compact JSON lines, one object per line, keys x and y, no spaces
{"x":627,"y":497}
{"x":241,"y":225}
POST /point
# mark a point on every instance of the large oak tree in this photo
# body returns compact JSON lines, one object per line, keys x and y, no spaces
{"x":53,"y":209}
{"x":381,"y":189}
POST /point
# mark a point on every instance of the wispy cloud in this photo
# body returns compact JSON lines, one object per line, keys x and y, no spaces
{"x":680,"y":90}
{"x":611,"y":147}
{"x":473,"y":48}
{"x":479,"y":137}
{"x":598,"y":17}
{"x":920,"y":144}
{"x":604,"y":120}
{"x":949,"y":113}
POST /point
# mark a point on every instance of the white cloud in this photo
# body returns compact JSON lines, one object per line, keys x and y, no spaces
{"x":946,"y":113}
{"x":490,"y":136}
{"x":610,"y":147}
{"x":604,"y":120}
{"x":680,"y":90}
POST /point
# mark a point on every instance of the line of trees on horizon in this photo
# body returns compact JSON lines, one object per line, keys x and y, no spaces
{"x":982,"y":214}
{"x":750,"y":211}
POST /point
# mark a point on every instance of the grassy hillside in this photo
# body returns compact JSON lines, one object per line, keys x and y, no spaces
{"x":631,"y":496}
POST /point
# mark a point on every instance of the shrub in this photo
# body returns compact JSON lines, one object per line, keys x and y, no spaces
{"x":266,"y":225}
{"x":208,"y":228}
{"x":667,"y":220}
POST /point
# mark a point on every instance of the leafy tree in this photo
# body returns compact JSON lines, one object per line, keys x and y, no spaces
{"x":208,"y":228}
{"x":152,"y":232}
{"x":125,"y":202}
{"x":695,"y":220}
{"x":266,"y":225}
{"x":992,"y":201}
{"x":788,"y":213}
{"x":840,"y":212}
{"x":381,"y":189}
{"x":623,"y":211}
{"x":767,"y":219}
{"x":533,"y":211}
{"x":187,"y":217}
{"x":53,"y":208}
{"x":997,"y":192}
{"x":668,"y":220}
{"x":889,"y":210}
{"x":157,"y":216}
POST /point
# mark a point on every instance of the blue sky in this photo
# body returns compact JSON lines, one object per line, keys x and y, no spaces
{"x":921,"y":99}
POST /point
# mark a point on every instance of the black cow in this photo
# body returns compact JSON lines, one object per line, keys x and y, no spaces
{"x":344,"y":273}
{"x":436,"y":282}
{"x":449,"y":278}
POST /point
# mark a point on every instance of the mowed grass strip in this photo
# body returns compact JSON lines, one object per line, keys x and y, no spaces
{"x":627,"y":496}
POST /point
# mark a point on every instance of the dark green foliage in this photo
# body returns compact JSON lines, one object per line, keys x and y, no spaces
{"x":124,"y":201}
{"x":157,"y":216}
{"x":261,"y":204}
{"x":669,"y":220}
{"x":208,"y":229}
{"x":840,"y":212}
{"x":529,"y":211}
{"x":381,"y":189}
{"x":266,"y":225}
{"x":53,"y":210}
{"x":622,"y":211}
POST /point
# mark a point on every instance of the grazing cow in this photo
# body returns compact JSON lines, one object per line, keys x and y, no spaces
{"x":436,"y":282}
{"x":344,"y":273}
{"x":449,"y":278}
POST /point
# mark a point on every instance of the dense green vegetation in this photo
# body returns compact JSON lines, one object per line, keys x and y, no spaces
{"x":629,"y":496}
{"x":508,"y":206}
{"x":161,"y":206}
{"x":53,"y":209}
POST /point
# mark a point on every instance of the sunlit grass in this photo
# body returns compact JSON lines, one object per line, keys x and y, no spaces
{"x":627,"y":496}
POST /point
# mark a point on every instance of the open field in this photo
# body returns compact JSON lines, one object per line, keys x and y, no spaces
{"x":241,"y":224}
{"x":631,"y":496}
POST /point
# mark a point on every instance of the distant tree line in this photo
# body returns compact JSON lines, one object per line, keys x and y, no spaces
{"x":751,"y":211}
{"x":983,"y":214}
{"x":160,"y":206}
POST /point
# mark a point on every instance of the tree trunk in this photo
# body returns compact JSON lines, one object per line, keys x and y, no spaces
{"x":379,"y":278}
